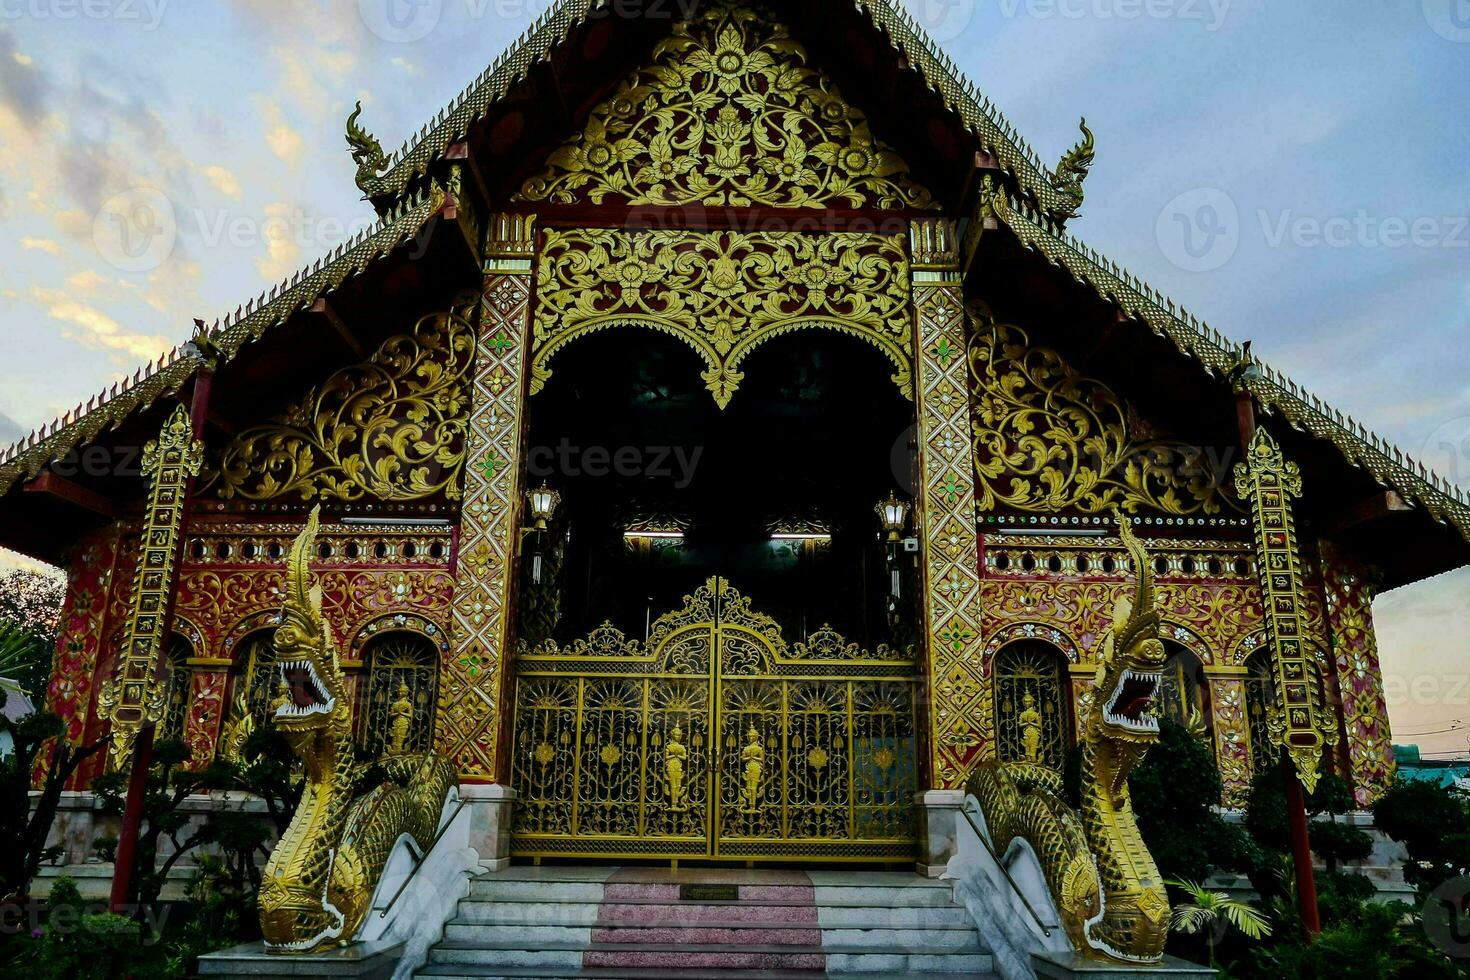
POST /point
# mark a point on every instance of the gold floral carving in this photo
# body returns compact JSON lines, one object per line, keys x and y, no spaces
{"x":1048,"y":438}
{"x":723,"y":293}
{"x":731,"y":114}
{"x":391,"y":427}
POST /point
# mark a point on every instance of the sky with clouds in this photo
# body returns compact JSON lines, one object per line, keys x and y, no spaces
{"x":1292,"y":172}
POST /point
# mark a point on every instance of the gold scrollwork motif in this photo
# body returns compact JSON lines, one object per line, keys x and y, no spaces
{"x":722,"y":293}
{"x":1048,"y":438}
{"x":709,"y":740}
{"x":391,"y":427}
{"x":133,"y":698}
{"x":1269,"y":482}
{"x":728,"y":114}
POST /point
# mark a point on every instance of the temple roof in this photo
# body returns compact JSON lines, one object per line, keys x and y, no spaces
{"x":1020,"y":194}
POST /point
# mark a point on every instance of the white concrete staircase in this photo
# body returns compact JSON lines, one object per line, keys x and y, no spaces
{"x":691,"y":924}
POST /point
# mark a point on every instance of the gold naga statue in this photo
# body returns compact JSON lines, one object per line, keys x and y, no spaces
{"x":1097,"y":867}
{"x":320,"y":879}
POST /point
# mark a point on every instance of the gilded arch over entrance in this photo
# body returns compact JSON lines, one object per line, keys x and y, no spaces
{"x":723,"y":293}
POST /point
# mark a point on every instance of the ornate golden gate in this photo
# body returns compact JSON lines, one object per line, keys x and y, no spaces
{"x":712,"y":739}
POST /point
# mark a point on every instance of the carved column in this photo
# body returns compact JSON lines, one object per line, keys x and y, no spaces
{"x":1269,"y":483}
{"x":132,"y":699}
{"x":1232,"y":732}
{"x":1359,"y":677}
{"x":80,"y":637}
{"x":472,"y":693}
{"x":945,"y":511}
{"x":209,"y":679}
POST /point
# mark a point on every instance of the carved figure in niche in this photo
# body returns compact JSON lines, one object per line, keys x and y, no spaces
{"x":1030,"y":723}
{"x":754,"y":758}
{"x":400,"y":717}
{"x":674,"y":755}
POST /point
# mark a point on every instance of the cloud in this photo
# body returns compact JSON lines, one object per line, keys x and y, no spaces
{"x":282,"y":253}
{"x":285,"y":142}
{"x":224,"y":180}
{"x":22,"y":87}
{"x":41,"y":245}
{"x":97,"y":330}
{"x":10,"y":430}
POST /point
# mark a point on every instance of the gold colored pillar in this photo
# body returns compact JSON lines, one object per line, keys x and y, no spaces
{"x":1269,"y":483}
{"x":472,"y":691}
{"x":132,"y":698}
{"x":945,"y":508}
{"x":1232,"y":732}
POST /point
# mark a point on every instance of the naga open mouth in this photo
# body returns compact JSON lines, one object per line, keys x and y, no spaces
{"x":1129,"y":706}
{"x":306,"y":693}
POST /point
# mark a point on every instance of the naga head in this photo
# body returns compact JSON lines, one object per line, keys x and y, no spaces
{"x":315,"y":696}
{"x":1130,"y":667}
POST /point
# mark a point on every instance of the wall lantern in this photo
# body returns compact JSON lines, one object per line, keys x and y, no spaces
{"x":894,"y":514}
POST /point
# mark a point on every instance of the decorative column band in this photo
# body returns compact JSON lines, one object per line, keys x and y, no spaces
{"x":1268,"y":482}
{"x":945,"y":497}
{"x":132,"y":698}
{"x":471,"y":695}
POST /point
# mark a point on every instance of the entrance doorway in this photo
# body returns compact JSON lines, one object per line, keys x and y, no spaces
{"x":711,"y":663}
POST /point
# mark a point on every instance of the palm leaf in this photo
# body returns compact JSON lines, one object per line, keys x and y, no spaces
{"x":1191,"y":918}
{"x":1246,"y":917}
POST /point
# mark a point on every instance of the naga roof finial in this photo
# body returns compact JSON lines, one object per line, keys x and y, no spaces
{"x":1072,"y":170}
{"x":367,"y":152}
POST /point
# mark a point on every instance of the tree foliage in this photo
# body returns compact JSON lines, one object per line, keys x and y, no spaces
{"x":26,"y":823}
{"x":30,"y":610}
{"x":1433,"y":824}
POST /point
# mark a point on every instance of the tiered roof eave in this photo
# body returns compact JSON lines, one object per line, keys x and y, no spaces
{"x":1218,"y":354}
{"x":167,"y":375}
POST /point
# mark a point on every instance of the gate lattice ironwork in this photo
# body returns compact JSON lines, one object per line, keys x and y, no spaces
{"x":714,"y":739}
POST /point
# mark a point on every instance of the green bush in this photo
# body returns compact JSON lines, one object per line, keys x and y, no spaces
{"x":1378,"y":942}
{"x":81,"y":945}
{"x":1433,"y":824}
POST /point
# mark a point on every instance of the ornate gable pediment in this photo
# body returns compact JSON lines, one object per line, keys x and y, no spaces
{"x":730,"y":113}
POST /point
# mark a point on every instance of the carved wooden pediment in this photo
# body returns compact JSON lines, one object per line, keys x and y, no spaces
{"x":729,"y":113}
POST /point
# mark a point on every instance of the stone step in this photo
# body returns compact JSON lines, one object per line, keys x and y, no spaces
{"x":864,"y":959}
{"x":572,"y":914}
{"x":659,"y":932}
{"x":920,"y":895}
{"x":524,"y":890}
{"x":466,"y":971}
